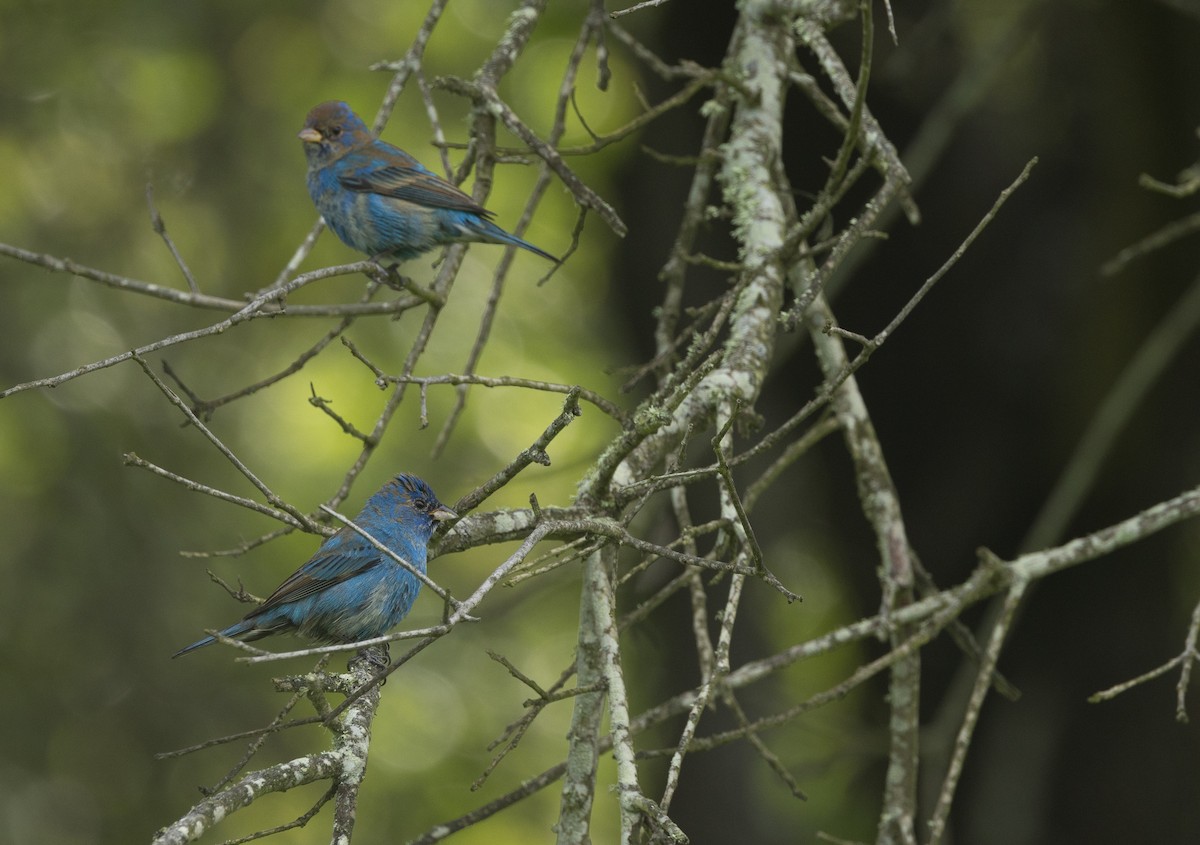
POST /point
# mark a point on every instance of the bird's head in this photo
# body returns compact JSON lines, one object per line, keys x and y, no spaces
{"x":413,"y":504}
{"x":330,"y":129}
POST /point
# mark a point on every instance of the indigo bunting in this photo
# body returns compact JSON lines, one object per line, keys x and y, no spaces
{"x":382,"y":201}
{"x":349,"y":590}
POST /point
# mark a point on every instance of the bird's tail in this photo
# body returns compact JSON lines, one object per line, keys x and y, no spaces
{"x":236,"y":630}
{"x":489,"y":231}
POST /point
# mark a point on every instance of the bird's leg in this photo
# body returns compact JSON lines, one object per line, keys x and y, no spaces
{"x":390,"y":276}
{"x":377,"y":655}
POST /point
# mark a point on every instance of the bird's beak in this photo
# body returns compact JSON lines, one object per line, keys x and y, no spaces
{"x":443,"y":513}
{"x":309,"y":135}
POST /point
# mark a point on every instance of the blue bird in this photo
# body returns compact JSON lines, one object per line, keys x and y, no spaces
{"x":380,"y":200}
{"x":349,"y":590}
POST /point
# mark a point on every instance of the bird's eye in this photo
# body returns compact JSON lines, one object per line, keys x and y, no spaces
{"x":334,"y":131}
{"x":420,"y":505}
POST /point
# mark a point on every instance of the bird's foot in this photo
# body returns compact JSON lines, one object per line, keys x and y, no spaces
{"x":396,"y":281}
{"x":389,"y":275}
{"x":378,"y":656}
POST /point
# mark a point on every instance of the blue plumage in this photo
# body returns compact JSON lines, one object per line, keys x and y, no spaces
{"x":380,"y":200}
{"x":349,"y":590}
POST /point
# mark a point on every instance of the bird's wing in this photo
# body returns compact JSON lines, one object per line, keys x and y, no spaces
{"x":325,"y":569}
{"x":402,"y":177}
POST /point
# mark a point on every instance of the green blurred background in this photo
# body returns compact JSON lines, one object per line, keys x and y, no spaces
{"x":978,"y":402}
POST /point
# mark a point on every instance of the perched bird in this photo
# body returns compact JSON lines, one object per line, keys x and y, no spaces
{"x":382,"y":201}
{"x":349,"y":590}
